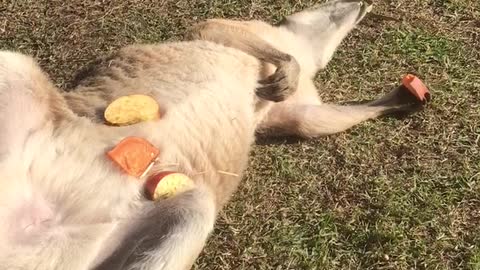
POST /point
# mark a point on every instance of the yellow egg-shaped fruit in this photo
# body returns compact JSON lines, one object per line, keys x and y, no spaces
{"x":168,"y":184}
{"x":132,"y":109}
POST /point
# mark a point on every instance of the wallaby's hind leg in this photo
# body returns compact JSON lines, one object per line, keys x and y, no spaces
{"x":314,"y":120}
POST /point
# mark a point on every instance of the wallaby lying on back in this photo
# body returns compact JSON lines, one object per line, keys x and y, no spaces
{"x":64,"y":205}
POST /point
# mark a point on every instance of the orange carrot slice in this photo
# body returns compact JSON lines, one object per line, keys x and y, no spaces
{"x":134,"y":155}
{"x":416,"y":87}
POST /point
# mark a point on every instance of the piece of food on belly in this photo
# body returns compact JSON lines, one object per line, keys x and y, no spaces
{"x":166,"y":184}
{"x":132,"y":109}
{"x":134,"y":155}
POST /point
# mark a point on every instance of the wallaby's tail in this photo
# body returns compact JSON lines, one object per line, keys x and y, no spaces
{"x":169,"y":235}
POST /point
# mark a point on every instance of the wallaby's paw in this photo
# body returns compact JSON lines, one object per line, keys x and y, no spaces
{"x":281,"y":84}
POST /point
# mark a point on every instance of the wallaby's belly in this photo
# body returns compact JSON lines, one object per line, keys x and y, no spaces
{"x":207,"y":94}
{"x":210,"y":119}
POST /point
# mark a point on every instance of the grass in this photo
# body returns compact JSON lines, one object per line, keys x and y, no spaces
{"x":387,"y":194}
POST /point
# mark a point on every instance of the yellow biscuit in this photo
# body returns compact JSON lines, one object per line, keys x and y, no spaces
{"x":132,"y":109}
{"x":167,"y":184}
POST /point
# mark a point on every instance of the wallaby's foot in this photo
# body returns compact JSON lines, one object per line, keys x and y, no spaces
{"x":400,"y":100}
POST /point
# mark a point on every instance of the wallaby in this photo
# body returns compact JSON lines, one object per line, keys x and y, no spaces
{"x":65,"y":205}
